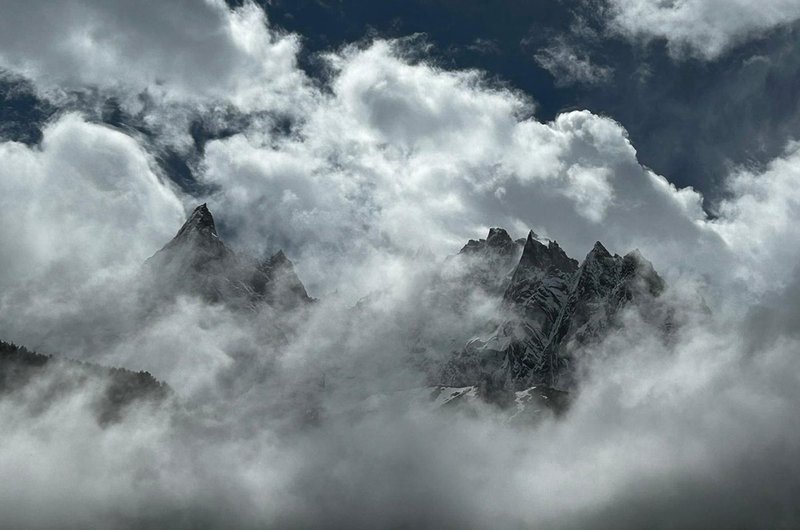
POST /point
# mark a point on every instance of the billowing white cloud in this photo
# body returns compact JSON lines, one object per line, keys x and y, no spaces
{"x":758,"y":221}
{"x":178,"y":50}
{"x":88,"y":199}
{"x":401,"y":156}
{"x":702,"y":28}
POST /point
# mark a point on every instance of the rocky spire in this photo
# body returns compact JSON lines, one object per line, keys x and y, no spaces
{"x":497,"y":242}
{"x":195,"y":248}
{"x":599,"y":251}
{"x":197,"y":261}
{"x":537,"y":255}
{"x":199,"y":234}
{"x":498,"y":237}
{"x":276,"y":280}
{"x":200,"y":222}
{"x":553,"y":311}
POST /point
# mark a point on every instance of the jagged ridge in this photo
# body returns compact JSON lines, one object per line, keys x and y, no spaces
{"x":553,"y":307}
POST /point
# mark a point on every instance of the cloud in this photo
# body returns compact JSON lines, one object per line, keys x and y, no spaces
{"x":569,"y":65}
{"x":180,"y":50}
{"x":757,"y":221}
{"x":700,"y":28}
{"x":328,"y":426}
{"x":87,"y":200}
{"x":656,"y":426}
{"x":402,"y":155}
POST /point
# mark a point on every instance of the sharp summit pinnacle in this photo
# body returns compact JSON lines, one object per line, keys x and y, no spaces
{"x":201,"y":220}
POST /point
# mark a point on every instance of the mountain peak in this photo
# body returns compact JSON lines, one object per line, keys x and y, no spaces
{"x":196,"y":260}
{"x":497,"y":242}
{"x":201,"y":220}
{"x":537,"y":254}
{"x":199,"y":232}
{"x":553,"y":310}
{"x":276,"y":280}
{"x":599,"y":250}
{"x":278,"y":257}
{"x":196,"y":245}
{"x":276,"y":261}
{"x":498,"y":237}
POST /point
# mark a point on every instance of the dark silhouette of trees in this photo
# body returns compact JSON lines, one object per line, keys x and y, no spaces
{"x":20,"y":367}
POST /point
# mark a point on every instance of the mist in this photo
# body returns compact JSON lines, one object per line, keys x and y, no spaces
{"x":334,"y":428}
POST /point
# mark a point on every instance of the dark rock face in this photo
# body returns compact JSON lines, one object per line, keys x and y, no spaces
{"x":197,"y":262}
{"x":276,"y":281}
{"x":551,"y":309}
{"x":486,"y":264}
{"x":200,"y":233}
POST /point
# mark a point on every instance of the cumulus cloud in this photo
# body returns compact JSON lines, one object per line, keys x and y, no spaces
{"x":402,"y":155}
{"x":88,"y":199}
{"x":702,"y":28}
{"x":156,"y":68}
{"x":182,"y":49}
{"x":757,"y":221}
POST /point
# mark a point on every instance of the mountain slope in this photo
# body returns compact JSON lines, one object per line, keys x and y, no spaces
{"x":487,"y":263}
{"x":196,"y":261}
{"x":551,"y":310}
